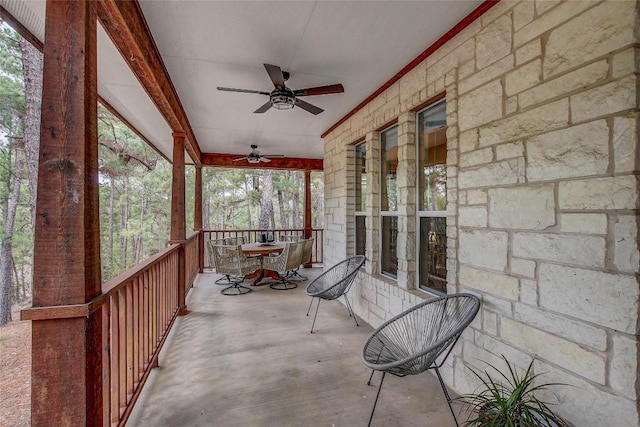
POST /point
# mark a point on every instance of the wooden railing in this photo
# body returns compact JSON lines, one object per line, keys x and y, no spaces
{"x":192,"y":258}
{"x":251,"y":235}
{"x":141,"y":305}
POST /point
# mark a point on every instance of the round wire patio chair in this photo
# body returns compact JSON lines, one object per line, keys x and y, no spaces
{"x":413,"y":341}
{"x":334,"y":283}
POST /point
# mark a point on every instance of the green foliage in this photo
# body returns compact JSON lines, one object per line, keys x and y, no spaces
{"x":510,"y":400}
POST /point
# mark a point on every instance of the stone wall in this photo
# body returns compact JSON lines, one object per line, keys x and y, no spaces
{"x":542,"y":164}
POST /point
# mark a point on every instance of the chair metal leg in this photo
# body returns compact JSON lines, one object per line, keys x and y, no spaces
{"x":283,"y":284}
{"x":351,"y":313}
{"x":376,"y":401}
{"x":239,"y":290}
{"x":310,"y":304}
{"x":228,"y":280}
{"x":315,"y":315}
{"x":446,"y":395}
{"x":371,"y":377}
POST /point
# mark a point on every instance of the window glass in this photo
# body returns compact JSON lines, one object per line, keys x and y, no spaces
{"x":389,"y":245}
{"x":361,"y":177}
{"x":389,"y":169}
{"x":432,"y":157}
{"x":361,"y":236}
{"x":432,"y":198}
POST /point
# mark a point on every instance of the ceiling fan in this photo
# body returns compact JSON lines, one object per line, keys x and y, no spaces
{"x":283,"y":98}
{"x":255,"y":157}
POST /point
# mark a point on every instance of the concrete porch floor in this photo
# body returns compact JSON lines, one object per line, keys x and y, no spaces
{"x":250,"y":361}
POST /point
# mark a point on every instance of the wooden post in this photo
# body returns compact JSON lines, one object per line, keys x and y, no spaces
{"x":307,"y":209}
{"x":197,"y":216}
{"x":69,"y":342}
{"x":178,"y":223}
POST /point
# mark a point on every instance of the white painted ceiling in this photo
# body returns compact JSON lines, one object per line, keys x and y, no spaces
{"x":205,"y":44}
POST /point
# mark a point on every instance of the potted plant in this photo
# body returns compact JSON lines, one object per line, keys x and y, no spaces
{"x":509,"y":401}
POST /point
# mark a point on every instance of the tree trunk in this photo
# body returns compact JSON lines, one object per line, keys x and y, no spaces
{"x":248,"y":200}
{"x":284,"y":221}
{"x":6,"y":245}
{"x":266,"y":205}
{"x":32,"y":70}
{"x":112,"y":191}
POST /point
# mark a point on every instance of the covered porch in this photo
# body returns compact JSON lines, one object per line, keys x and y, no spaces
{"x":251,"y":361}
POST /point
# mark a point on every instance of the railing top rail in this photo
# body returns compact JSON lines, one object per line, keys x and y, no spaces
{"x":193,"y":235}
{"x":114,"y":284}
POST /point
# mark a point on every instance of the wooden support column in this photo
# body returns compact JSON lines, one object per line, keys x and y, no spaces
{"x":307,"y":209}
{"x":197,"y":216}
{"x":178,"y":223}
{"x":69,"y":339}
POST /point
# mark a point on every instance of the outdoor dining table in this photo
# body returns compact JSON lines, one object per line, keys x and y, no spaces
{"x":262,"y":249}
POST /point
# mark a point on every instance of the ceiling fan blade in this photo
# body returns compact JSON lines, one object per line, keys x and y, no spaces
{"x":239,"y":158}
{"x":230,"y":89}
{"x":264,"y":107}
{"x":276,"y":75}
{"x":310,"y":108}
{"x":320,"y":90}
{"x":264,"y":159}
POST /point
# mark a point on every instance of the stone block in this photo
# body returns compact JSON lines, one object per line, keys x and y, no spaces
{"x":492,"y":72}
{"x":584,"y":403}
{"x":498,"y":173}
{"x":626,"y":62}
{"x":493,"y":42}
{"x":515,"y":356}
{"x":565,"y":84}
{"x":555,"y":349}
{"x":611,"y":25}
{"x":578,"y":151}
{"x":542,"y":119}
{"x":523,"y":13}
{"x":529,"y":292}
{"x":605,"y":299}
{"x":468,"y":140}
{"x":523,"y":78}
{"x":493,"y":283}
{"x":472,"y":216}
{"x":623,"y":372}
{"x":509,"y":150}
{"x":490,"y":323}
{"x":501,"y":306}
{"x":605,"y":100}
{"x":619,"y":192}
{"x":523,"y":267}
{"x":527,"y":207}
{"x":548,"y":21}
{"x":480,"y":106}
{"x":476,"y":197}
{"x":583,"y":223}
{"x":531,"y":50}
{"x":588,"y":251}
{"x":482,"y":248}
{"x":625,"y":244}
{"x":477,"y":157}
{"x":573,"y":330}
{"x":625,"y":144}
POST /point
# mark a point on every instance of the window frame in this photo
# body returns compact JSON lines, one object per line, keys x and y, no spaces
{"x":386,"y":213}
{"x":358,"y":187}
{"x":426,"y":213}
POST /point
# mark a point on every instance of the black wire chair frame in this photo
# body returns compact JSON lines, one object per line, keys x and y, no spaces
{"x":334,"y":283}
{"x":411,"y":342}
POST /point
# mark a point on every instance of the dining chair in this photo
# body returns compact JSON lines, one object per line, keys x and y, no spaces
{"x":230,"y":261}
{"x":307,"y":252}
{"x":411,"y":342}
{"x":283,"y":263}
{"x":334,"y":283}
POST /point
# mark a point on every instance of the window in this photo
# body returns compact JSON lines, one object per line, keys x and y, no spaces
{"x":432,"y":198}
{"x":361,"y":192}
{"x":389,"y":201}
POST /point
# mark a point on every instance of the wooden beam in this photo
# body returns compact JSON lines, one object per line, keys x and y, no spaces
{"x":125,"y":24}
{"x":307,"y":208}
{"x":197,"y":216}
{"x":68,"y":352}
{"x":289,"y":163}
{"x":178,"y":216}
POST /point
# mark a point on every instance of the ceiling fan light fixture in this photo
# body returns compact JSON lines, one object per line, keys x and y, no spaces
{"x":283,"y":101}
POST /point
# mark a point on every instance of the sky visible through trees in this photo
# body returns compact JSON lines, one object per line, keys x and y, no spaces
{"x":135,"y":185}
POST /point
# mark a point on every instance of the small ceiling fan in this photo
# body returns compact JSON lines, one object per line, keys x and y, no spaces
{"x":255,"y":157}
{"x":283,"y":98}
